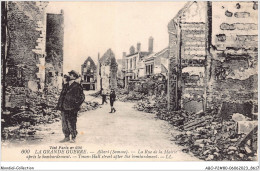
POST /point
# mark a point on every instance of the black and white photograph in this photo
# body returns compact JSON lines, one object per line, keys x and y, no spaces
{"x":122,"y":81}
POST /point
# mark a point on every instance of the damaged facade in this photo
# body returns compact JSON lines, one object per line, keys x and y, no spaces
{"x":157,"y":63}
{"x":213,"y":55}
{"x":54,"y":50}
{"x":26,"y":24}
{"x":108,"y":71}
{"x":89,"y":74}
{"x":134,"y":62}
{"x":120,"y":74}
{"x":29,"y":42}
{"x":234,"y":65}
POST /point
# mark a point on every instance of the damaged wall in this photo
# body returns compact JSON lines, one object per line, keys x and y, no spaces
{"x":26,"y":44}
{"x":108,"y":67}
{"x":89,"y":74}
{"x":213,"y":66}
{"x":187,"y":42}
{"x":234,"y":52}
{"x":54,"y":49}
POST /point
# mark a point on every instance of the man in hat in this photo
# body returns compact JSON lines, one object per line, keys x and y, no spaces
{"x":69,"y":103}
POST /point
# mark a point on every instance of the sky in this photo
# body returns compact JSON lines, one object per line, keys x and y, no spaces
{"x":94,"y":27}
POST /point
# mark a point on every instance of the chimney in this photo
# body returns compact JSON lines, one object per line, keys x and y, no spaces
{"x":138,"y":47}
{"x":150,"y":44}
{"x":132,"y":50}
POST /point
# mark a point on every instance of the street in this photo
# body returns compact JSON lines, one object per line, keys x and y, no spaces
{"x":124,"y":129}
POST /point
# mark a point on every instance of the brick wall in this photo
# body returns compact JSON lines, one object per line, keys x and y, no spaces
{"x":227,"y":71}
{"x":26,"y":36}
{"x":234,"y":53}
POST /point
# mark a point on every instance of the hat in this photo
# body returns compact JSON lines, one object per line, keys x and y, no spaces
{"x":75,"y":73}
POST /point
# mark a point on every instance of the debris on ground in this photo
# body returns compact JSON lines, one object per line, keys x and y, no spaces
{"x":20,"y":120}
{"x":206,"y":134}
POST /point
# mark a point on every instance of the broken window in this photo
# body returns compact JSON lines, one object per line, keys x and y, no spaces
{"x":221,"y":37}
{"x":255,"y":6}
{"x":134,"y":62}
{"x":51,"y":74}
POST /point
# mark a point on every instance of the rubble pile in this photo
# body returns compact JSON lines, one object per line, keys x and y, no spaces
{"x":38,"y":108}
{"x":96,"y":94}
{"x":218,"y":142}
{"x":206,"y":134}
{"x":146,"y":106}
{"x":87,"y":106}
{"x":209,"y":137}
{"x":152,"y":104}
{"x":131,"y":96}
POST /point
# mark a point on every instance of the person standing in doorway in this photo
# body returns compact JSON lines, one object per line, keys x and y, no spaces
{"x":69,"y":103}
{"x":112,"y":100}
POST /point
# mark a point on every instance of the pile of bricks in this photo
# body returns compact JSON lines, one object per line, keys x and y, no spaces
{"x":206,"y":134}
{"x":87,"y":106}
{"x":218,"y":142}
{"x":38,"y":108}
{"x":131,"y":97}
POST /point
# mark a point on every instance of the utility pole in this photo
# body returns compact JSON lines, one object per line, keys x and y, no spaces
{"x":4,"y":50}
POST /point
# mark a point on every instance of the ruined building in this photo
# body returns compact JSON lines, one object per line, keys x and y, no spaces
{"x":134,"y":66}
{"x":157,"y":63}
{"x":54,"y":50}
{"x":89,"y":74}
{"x":120,"y":74}
{"x":233,"y":75}
{"x":108,"y":71}
{"x":213,"y":55}
{"x":26,"y":24}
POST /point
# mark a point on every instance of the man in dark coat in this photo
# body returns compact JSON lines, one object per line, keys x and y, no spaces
{"x":104,"y":98}
{"x":112,"y":100}
{"x":69,"y":103}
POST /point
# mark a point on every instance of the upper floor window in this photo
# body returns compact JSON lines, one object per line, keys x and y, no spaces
{"x":149,"y":69}
{"x":134,"y":62}
{"x":131,"y":65}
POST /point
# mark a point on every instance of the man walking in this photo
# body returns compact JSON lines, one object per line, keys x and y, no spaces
{"x":69,"y":103}
{"x":104,"y":98}
{"x":112,"y":100}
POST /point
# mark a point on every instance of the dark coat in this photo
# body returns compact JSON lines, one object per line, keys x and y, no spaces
{"x":112,"y":97}
{"x":71,"y":97}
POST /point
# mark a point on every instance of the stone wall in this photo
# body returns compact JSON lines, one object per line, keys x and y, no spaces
{"x":26,"y":44}
{"x":108,"y":71}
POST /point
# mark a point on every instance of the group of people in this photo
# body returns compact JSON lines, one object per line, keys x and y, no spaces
{"x":70,"y":100}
